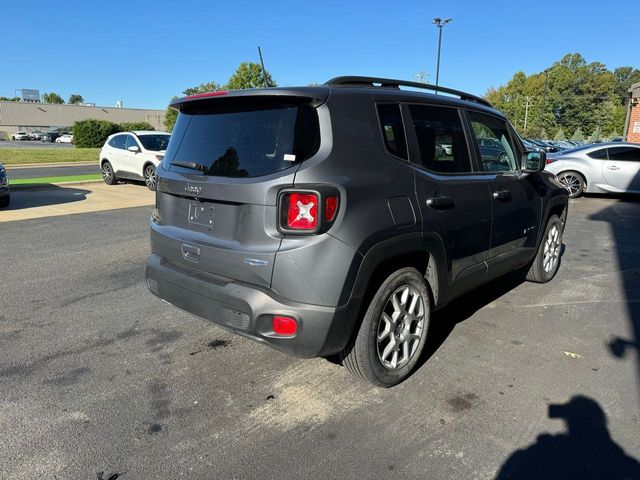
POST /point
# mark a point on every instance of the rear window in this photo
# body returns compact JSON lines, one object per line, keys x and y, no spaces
{"x":154,"y":143}
{"x":118,"y":141}
{"x":248,"y":142}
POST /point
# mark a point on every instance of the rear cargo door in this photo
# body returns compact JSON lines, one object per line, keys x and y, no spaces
{"x":219,"y":181}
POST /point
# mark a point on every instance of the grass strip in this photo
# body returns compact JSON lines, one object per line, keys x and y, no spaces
{"x":21,"y":156}
{"x":68,"y":178}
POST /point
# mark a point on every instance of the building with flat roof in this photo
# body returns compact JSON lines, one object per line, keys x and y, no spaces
{"x":16,"y":116}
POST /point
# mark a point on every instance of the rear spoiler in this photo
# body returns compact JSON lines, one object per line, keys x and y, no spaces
{"x":314,"y":96}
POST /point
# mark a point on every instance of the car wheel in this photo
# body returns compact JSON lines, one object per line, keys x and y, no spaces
{"x":108,"y":174}
{"x":573,"y":182}
{"x":150,"y":179}
{"x":5,"y":201}
{"x":547,"y":261}
{"x":393,"y":332}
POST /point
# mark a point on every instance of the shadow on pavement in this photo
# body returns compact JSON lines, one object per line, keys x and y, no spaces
{"x":585,"y":451}
{"x":43,"y":196}
{"x":445,"y":320}
{"x":623,"y":218}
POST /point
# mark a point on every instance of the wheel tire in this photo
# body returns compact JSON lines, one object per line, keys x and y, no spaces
{"x":108,"y":175}
{"x":5,"y":201}
{"x":363,"y":356}
{"x":574,"y":182}
{"x":150,"y":179}
{"x":547,"y":261}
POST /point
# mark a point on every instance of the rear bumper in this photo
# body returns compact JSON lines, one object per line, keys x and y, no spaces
{"x":248,"y":310}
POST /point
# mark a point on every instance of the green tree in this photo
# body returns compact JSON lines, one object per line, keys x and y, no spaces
{"x":249,"y":75}
{"x":625,"y":77}
{"x":212,"y":86}
{"x":559,"y":135}
{"x":52,"y":98}
{"x":568,"y":95}
{"x":170,"y":117}
{"x":75,"y":99}
{"x":93,"y":133}
{"x":131,"y":126}
{"x":578,"y":136}
{"x":9,"y":99}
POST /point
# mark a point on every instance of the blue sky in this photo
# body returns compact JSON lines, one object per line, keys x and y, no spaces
{"x":145,"y":52}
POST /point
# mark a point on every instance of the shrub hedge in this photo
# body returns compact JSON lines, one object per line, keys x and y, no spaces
{"x":93,"y":133}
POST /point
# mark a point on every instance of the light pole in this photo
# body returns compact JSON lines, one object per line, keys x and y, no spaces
{"x":438,"y":22}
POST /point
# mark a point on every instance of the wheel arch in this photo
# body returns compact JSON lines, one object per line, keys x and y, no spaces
{"x":146,"y":164}
{"x":424,"y":252}
{"x":578,"y":171}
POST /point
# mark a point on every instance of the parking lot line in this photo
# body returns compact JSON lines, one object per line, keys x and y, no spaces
{"x":59,"y":199}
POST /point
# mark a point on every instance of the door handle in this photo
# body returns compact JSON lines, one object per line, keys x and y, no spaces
{"x":440,"y":203}
{"x":613,"y":167}
{"x":501,"y":194}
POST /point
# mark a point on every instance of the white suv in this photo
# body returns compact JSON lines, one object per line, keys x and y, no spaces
{"x":133,"y":156}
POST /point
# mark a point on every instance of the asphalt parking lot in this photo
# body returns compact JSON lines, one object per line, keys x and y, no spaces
{"x":98,"y":377}
{"x":38,"y":171}
{"x":33,"y":144}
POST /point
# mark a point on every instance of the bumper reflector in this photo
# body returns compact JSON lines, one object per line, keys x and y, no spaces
{"x":285,"y":325}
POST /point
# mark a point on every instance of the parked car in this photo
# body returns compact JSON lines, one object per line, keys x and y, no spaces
{"x":529,"y":145}
{"x":600,"y":168}
{"x":326,"y":221}
{"x":51,"y":136}
{"x":133,"y":156}
{"x":20,"y":136}
{"x":5,"y":195}
{"x":65,"y":138}
{"x":36,"y":135}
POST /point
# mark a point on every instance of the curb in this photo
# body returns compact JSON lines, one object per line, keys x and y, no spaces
{"x":42,"y":186}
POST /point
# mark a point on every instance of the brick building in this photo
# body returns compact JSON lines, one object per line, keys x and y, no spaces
{"x":632,"y":126}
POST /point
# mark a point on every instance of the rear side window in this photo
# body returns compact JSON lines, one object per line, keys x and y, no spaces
{"x":393,"y":129}
{"x":441,"y":139}
{"x":247,"y":142}
{"x":118,"y":141}
{"x":599,"y":154}
{"x":625,"y":154}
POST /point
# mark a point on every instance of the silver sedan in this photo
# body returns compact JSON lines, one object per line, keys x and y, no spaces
{"x":599,"y":168}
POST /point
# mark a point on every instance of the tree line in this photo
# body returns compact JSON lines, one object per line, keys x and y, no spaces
{"x":247,"y":75}
{"x":571,"y":99}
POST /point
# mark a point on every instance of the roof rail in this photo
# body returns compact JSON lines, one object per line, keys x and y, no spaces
{"x":391,"y":83}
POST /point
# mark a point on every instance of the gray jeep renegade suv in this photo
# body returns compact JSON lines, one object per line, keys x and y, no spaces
{"x":333,"y":220}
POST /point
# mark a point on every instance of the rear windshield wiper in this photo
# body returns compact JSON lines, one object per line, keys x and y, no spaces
{"x":191,"y":165}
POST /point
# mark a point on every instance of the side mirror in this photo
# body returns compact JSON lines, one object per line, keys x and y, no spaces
{"x":533,"y":162}
{"x":134,"y":148}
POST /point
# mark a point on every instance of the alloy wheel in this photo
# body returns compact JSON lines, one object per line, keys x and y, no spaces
{"x":551,"y":252}
{"x":107,"y":173}
{"x":401,"y":327}
{"x":572,"y":183}
{"x":150,"y":177}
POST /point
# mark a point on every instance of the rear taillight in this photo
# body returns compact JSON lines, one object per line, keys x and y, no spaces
{"x":550,"y":160}
{"x":302,"y":211}
{"x":307,"y":212}
{"x":330,"y":208}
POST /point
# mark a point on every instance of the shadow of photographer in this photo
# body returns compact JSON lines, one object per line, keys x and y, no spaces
{"x":585,"y":451}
